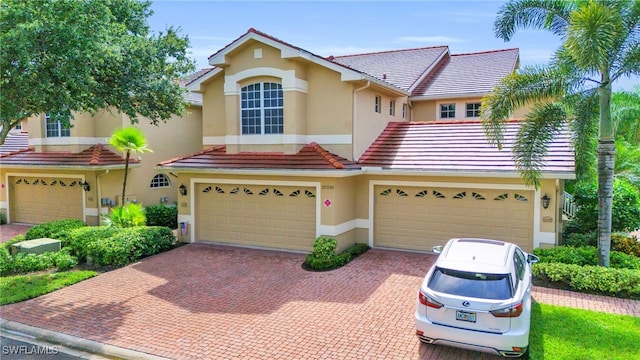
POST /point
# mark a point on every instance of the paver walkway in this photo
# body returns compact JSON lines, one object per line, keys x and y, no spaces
{"x":203,"y":301}
{"x":9,"y":231}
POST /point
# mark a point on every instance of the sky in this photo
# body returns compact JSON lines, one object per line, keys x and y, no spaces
{"x":352,"y":27}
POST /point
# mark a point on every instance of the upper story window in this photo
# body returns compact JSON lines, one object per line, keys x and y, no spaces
{"x":392,"y":108}
{"x":404,"y":111}
{"x":18,"y":127}
{"x":473,"y":110}
{"x":160,"y":181}
{"x":447,"y":111}
{"x":378,"y":104}
{"x":262,"y":109}
{"x":55,"y":128}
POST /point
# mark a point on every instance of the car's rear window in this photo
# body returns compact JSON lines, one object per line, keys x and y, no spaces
{"x":470,"y":284}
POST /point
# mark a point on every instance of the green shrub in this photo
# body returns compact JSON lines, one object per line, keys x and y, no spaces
{"x":3,"y":218}
{"x":593,"y":279}
{"x":16,"y":239}
{"x":162,"y":215}
{"x":625,"y":211}
{"x":79,"y":239}
{"x":577,"y":239}
{"x":356,"y":250}
{"x":586,"y":255}
{"x":58,"y":229}
{"x":130,"y":244}
{"x":625,"y":243}
{"x":25,"y":263}
{"x":129,"y":215}
{"x":6,"y":261}
{"x":324,"y":255}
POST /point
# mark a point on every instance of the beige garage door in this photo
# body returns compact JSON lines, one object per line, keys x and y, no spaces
{"x":420,"y":218}
{"x":35,"y":200}
{"x":281,"y":217}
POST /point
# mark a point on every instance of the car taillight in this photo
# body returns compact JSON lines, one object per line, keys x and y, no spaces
{"x":425,"y":300}
{"x":509,"y":312}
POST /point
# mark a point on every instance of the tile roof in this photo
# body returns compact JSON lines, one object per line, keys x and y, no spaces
{"x":469,"y":73}
{"x":97,"y":155}
{"x":310,"y":157}
{"x":456,"y":146}
{"x":401,"y":68}
{"x":16,"y":140}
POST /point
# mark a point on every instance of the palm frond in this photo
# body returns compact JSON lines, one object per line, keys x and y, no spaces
{"x":542,"y":124}
{"x":538,"y":14}
{"x":627,"y":163}
{"x":584,"y":125}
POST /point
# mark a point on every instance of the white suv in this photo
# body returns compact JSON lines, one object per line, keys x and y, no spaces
{"x":477,"y":296}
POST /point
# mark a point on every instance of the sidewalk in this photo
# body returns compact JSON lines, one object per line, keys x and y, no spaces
{"x":9,"y":231}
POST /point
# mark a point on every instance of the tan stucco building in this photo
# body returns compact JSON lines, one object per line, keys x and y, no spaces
{"x":285,"y":146}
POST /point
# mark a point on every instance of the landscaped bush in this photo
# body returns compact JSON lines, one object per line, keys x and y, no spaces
{"x":578,"y":239}
{"x":23,"y":263}
{"x":130,"y":244}
{"x":324,"y":255}
{"x":3,"y":218}
{"x":129,"y":215}
{"x":16,"y":239}
{"x":625,"y":211}
{"x":79,"y":239}
{"x":625,"y":243}
{"x":162,"y":215}
{"x":586,"y":255}
{"x":592,"y":279}
{"x":58,"y":229}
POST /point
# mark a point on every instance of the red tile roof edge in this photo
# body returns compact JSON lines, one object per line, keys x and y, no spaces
{"x":16,"y":152}
{"x":204,"y":71}
{"x":386,"y":52}
{"x":201,"y":152}
{"x":381,"y":138}
{"x":327,"y":156}
{"x":453,"y":121}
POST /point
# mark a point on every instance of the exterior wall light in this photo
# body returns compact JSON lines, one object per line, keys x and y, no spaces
{"x":545,"y":201}
{"x":183,"y":190}
{"x":85,"y":186}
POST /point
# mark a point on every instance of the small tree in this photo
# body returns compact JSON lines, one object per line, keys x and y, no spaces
{"x":128,"y":140}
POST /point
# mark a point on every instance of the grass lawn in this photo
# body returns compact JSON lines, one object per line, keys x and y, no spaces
{"x":23,"y":287}
{"x":566,"y":333}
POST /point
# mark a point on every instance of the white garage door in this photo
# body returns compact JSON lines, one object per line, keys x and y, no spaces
{"x":418,"y":218}
{"x":282,"y":217}
{"x":35,"y":200}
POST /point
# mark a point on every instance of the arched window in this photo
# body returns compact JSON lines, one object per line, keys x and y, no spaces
{"x":160,"y":181}
{"x":261,"y":109}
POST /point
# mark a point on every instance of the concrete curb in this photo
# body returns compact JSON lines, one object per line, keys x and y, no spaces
{"x":75,"y":342}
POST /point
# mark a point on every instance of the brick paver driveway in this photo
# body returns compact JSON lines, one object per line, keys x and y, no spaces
{"x":205,"y":301}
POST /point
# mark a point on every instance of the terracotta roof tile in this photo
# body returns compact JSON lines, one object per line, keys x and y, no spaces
{"x":97,"y":155}
{"x":456,"y":146}
{"x":15,"y":141}
{"x":401,"y":68}
{"x":469,"y":73}
{"x":310,"y":157}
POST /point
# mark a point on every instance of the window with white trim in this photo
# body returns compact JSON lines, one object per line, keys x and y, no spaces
{"x":378,"y":105}
{"x":473,"y":110}
{"x":404,"y":111}
{"x":19,"y":126}
{"x":447,"y":111}
{"x":262,"y":109}
{"x":160,"y":181}
{"x":55,"y":128}
{"x":392,"y":108}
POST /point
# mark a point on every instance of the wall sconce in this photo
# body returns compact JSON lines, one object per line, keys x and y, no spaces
{"x":183,"y":190}
{"x":545,"y":201}
{"x":85,"y":186}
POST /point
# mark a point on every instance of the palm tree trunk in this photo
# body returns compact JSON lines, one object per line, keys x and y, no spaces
{"x":606,"y":159}
{"x":126,"y":171}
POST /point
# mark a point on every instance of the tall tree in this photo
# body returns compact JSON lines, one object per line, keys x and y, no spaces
{"x":600,"y":44}
{"x":128,"y":140}
{"x":72,"y":56}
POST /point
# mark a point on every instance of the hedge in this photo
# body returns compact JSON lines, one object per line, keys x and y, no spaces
{"x":162,"y":215}
{"x":22,"y":263}
{"x":586,"y":255}
{"x":58,"y":229}
{"x":79,"y":239}
{"x":324,"y":255}
{"x":130,"y":244}
{"x":592,"y":279}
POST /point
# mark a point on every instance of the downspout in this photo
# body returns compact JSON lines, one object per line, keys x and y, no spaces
{"x":99,"y":199}
{"x":353,"y":122}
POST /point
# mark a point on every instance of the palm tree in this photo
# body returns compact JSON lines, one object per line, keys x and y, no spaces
{"x":128,"y":140}
{"x":600,"y":44}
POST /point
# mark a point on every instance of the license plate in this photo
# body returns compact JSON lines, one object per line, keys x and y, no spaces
{"x":465,"y":316}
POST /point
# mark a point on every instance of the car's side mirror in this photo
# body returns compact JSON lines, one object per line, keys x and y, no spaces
{"x":437,"y":249}
{"x":532,"y":259}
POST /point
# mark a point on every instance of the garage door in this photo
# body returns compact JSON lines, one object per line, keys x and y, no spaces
{"x":35,"y":200}
{"x":419,"y":218}
{"x":281,"y":217}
